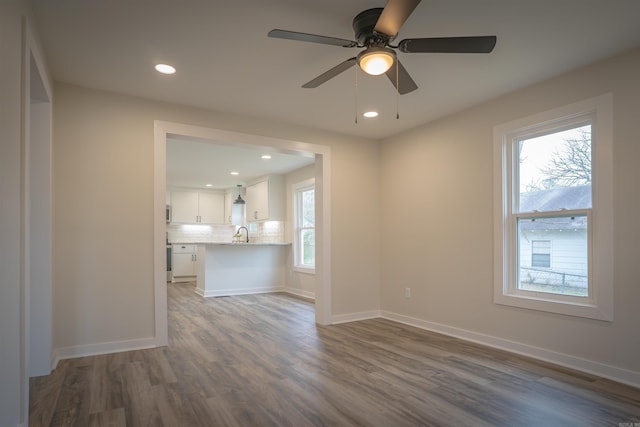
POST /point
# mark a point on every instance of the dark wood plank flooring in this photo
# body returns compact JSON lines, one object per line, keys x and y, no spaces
{"x":260,"y":360}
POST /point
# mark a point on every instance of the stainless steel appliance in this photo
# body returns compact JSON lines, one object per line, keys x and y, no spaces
{"x":169,"y":269}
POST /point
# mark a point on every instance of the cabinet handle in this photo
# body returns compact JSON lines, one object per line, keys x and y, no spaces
{"x":255,"y":215}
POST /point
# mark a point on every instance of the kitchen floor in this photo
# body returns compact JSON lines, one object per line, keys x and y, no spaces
{"x":260,"y":360}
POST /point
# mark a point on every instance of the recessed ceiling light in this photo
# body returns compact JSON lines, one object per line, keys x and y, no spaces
{"x":165,"y":69}
{"x":266,"y":157}
{"x":234,"y":173}
{"x":370,"y":114}
{"x":208,"y":185}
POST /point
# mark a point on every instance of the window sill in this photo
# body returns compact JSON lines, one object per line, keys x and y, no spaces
{"x":304,"y":270}
{"x":587,"y":309}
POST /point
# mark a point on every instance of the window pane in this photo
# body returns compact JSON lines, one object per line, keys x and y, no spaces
{"x":565,"y":270}
{"x":540,"y":260}
{"x":308,"y":209}
{"x":308,"y":246}
{"x":554,"y":171}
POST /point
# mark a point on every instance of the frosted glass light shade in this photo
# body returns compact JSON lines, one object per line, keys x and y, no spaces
{"x":376,"y":60}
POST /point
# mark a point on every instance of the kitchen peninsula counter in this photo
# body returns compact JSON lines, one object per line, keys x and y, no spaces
{"x":191,"y":242}
{"x":226,"y":268}
{"x":246,"y":244}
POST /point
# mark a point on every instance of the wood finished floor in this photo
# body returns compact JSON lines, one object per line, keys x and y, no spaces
{"x":259,"y":360}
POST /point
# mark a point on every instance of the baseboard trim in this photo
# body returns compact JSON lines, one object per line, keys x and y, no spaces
{"x":232,"y":292}
{"x":102,"y":348}
{"x":620,"y":375}
{"x":354,"y":317}
{"x":614,"y":373}
{"x":301,"y":293}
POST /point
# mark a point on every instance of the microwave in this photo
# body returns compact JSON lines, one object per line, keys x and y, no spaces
{"x":168,"y":213}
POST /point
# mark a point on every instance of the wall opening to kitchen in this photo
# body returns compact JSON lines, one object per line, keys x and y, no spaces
{"x":229,"y":141}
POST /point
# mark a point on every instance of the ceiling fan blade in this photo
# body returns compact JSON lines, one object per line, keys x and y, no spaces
{"x":480,"y":44}
{"x":328,"y":75}
{"x":394,"y":15}
{"x":313,"y":38}
{"x":402,"y":80}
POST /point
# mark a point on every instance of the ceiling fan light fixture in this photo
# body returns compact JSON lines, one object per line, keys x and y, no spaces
{"x":376,"y":60}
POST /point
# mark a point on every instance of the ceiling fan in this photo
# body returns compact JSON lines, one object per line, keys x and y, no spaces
{"x":375,"y":29}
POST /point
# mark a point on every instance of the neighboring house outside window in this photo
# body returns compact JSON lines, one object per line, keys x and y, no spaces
{"x":304,"y":226}
{"x":553,"y":188}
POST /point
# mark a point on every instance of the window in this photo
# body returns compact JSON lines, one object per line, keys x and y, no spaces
{"x":541,"y":253}
{"x":553,"y":188}
{"x":304,"y":226}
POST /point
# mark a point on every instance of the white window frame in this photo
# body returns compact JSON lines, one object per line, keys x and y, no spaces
{"x":599,"y":304}
{"x":297,"y":190}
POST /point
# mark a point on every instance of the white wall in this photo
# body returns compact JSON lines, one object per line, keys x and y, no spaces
{"x":10,"y":212}
{"x":437,"y":220}
{"x":103,"y":187}
{"x":297,"y":283}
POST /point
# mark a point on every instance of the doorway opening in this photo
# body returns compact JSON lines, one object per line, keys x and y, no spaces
{"x":321,"y":154}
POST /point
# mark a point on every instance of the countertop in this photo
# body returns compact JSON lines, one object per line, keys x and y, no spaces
{"x":234,"y":244}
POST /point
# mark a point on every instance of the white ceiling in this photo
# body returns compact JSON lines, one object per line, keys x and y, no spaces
{"x":227,"y":63}
{"x":193,"y":163}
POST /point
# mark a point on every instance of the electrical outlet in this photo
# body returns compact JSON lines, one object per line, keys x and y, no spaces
{"x":407,"y":292}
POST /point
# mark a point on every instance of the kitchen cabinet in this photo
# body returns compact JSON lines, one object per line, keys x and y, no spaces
{"x":197,"y":207}
{"x":211,"y":208}
{"x":183,"y":262}
{"x":266,"y":200}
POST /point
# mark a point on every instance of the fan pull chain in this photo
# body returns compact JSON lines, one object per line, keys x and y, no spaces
{"x":397,"y":92}
{"x":356,"y":94}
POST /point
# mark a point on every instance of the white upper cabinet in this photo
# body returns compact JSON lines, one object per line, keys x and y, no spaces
{"x":184,"y":206}
{"x":258,"y":201}
{"x":211,"y":207}
{"x":266,"y":200}
{"x":228,"y":206}
{"x":197,"y":207}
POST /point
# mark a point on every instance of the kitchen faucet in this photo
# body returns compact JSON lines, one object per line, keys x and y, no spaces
{"x":246,"y":229}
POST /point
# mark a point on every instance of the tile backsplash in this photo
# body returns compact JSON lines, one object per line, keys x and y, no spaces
{"x":198,"y":233}
{"x":264,"y":232}
{"x":267,"y":232}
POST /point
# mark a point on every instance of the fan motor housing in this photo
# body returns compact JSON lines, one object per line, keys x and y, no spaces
{"x":363,"y":25}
